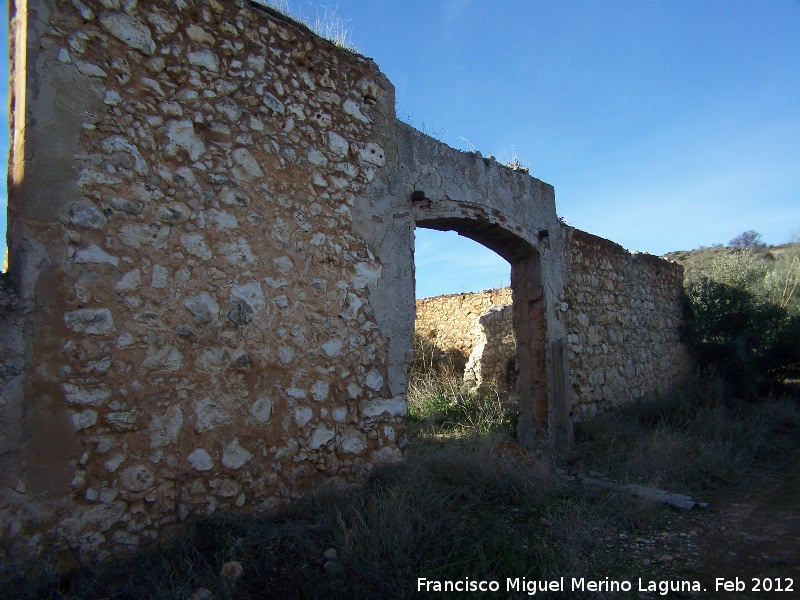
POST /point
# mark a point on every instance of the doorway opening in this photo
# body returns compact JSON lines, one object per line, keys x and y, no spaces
{"x":478,"y":353}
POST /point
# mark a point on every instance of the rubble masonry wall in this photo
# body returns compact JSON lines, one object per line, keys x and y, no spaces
{"x":197,"y":303}
{"x":622,"y":312}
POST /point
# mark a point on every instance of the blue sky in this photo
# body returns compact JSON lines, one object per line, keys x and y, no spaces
{"x":663,"y":125}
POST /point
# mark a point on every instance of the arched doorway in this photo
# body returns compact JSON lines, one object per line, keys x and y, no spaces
{"x":528,"y":314}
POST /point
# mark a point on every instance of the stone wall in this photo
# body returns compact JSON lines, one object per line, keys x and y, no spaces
{"x":210,"y":298}
{"x":623,"y":313}
{"x":451,"y":321}
{"x":492,"y":364}
{"x":181,"y":226}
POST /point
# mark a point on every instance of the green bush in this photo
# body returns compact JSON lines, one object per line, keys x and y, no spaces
{"x":743,"y":319}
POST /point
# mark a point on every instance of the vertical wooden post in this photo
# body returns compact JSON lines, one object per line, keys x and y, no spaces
{"x":561,"y":396}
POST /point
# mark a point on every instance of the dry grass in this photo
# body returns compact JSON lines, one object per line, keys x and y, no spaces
{"x":692,"y":440}
{"x":326,"y":22}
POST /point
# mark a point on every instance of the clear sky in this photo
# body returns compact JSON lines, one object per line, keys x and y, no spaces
{"x":663,"y":125}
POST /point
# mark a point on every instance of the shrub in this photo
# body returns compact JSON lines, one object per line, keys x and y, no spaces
{"x":743,"y":320}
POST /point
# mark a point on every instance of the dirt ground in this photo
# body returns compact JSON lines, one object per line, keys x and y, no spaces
{"x":755,"y":538}
{"x":749,"y":541}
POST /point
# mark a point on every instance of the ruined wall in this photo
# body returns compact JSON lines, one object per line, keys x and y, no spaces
{"x":199,"y":304}
{"x":622,"y":311}
{"x":491,"y":366}
{"x":451,"y":321}
{"x":211,"y":218}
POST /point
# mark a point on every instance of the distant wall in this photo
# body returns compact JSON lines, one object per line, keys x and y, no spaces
{"x":622,"y":311}
{"x":492,"y":365}
{"x":451,"y":321}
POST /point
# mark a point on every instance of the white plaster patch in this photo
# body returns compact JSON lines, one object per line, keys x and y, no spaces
{"x":165,"y":359}
{"x":238,"y":252}
{"x":388,"y":455}
{"x":394,"y":406}
{"x":164,"y":429}
{"x":317,"y":158}
{"x":130,"y":281}
{"x":374,"y":380}
{"x":273,"y":103}
{"x":338,"y":145}
{"x":261,"y":409}
{"x":208,"y":415}
{"x":89,"y":177}
{"x":137,"y":236}
{"x":84,"y":419}
{"x":275,"y":283}
{"x":94,"y":321}
{"x":123,"y":420}
{"x":320,"y":390}
{"x":372,"y":154}
{"x":89,"y":69}
{"x":94,"y":255}
{"x":113,"y":463}
{"x":235,"y":456}
{"x":198,"y":34}
{"x":250,"y":168}
{"x":339,"y":414}
{"x":354,"y":110}
{"x":196,"y":245}
{"x":222,"y":219}
{"x":180,"y":135}
{"x":117,"y":143}
{"x":322,"y":435}
{"x":251,"y":293}
{"x":86,"y":12}
{"x":352,"y":441}
{"x":204,"y":58}
{"x":284,"y":264}
{"x":129,"y":30}
{"x":332,"y":347}
{"x":100,"y":518}
{"x":302,"y":415}
{"x":159,"y":277}
{"x":112,"y":98}
{"x":285,"y":355}
{"x":202,"y":306}
{"x":288,"y":451}
{"x":85,"y":214}
{"x":137,"y":478}
{"x":366,"y":274}
{"x":90,"y":397}
{"x":200,"y":460}
{"x":163,"y":23}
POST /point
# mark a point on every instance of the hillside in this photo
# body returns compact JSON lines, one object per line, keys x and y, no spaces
{"x":698,"y":262}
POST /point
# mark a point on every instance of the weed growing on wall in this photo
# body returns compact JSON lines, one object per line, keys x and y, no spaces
{"x":326,"y":22}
